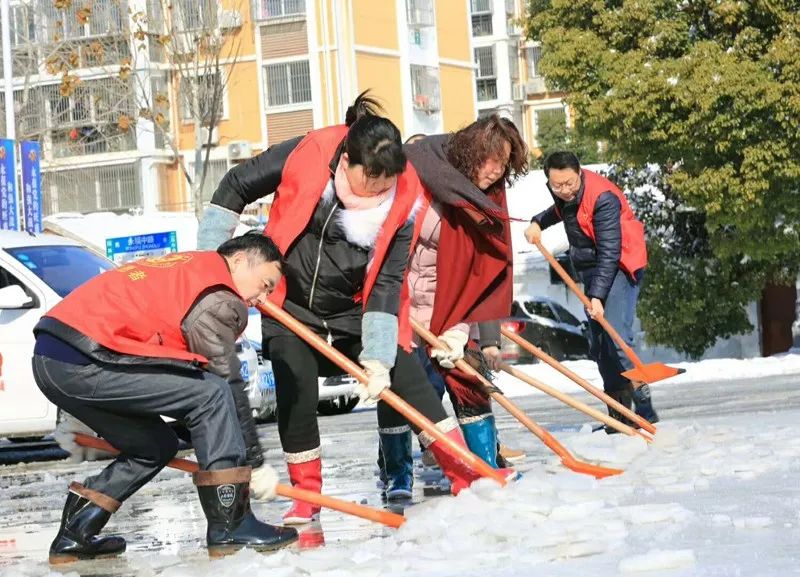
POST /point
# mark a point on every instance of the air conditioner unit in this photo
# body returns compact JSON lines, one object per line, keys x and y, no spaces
{"x":514,"y":29}
{"x":518,"y":91}
{"x":536,"y":85}
{"x":230,"y":19}
{"x":183,"y":44}
{"x":204,"y":136}
{"x":239,"y":150}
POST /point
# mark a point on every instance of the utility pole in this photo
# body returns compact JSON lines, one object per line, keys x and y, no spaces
{"x":5,"y":14}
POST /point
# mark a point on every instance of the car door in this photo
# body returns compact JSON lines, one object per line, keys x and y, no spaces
{"x":576,"y":345}
{"x":20,"y":398}
{"x":544,"y":326}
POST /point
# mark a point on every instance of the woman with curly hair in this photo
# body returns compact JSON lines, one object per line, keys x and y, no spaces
{"x":465,"y":235}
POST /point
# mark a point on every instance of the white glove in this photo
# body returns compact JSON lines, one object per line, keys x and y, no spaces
{"x":65,"y":437}
{"x":263,"y":483}
{"x":455,"y":340}
{"x":379,"y":380}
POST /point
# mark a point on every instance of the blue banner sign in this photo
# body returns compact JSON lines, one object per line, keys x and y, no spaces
{"x":9,"y":216}
{"x":31,"y":154}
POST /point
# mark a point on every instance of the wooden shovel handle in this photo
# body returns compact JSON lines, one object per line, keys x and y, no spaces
{"x":398,"y":404}
{"x":384,"y":517}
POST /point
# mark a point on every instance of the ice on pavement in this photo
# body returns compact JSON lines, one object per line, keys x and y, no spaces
{"x":675,"y":511}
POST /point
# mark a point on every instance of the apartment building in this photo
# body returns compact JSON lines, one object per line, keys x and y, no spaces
{"x":507,"y":78}
{"x":299,"y":64}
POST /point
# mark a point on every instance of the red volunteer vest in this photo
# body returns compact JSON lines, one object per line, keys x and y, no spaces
{"x":304,"y":178}
{"x":137,"y":309}
{"x":634,"y":250}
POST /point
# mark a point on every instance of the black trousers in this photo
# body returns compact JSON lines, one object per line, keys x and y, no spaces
{"x":123,"y":405}
{"x":297,"y":368}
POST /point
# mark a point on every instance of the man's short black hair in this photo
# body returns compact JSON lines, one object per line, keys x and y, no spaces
{"x":258,"y":246}
{"x":561,"y":160}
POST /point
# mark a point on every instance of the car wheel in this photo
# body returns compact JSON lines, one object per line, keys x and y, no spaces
{"x":338,"y":406}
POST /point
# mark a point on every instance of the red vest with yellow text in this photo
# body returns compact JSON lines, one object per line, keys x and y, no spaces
{"x":137,"y":309}
{"x":634,"y":251}
{"x":303,"y":180}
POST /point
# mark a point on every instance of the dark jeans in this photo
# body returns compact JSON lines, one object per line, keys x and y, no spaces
{"x":297,"y":368}
{"x":620,"y":311}
{"x":123,"y":405}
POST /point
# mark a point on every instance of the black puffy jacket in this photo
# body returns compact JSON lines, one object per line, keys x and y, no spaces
{"x":324,"y":271}
{"x":598,"y":260}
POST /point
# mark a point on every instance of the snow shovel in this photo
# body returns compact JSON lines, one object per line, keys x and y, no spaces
{"x":643,"y":373}
{"x":385,"y":517}
{"x":567,"y":459}
{"x":410,"y":413}
{"x":574,"y":403}
{"x":544,"y":357}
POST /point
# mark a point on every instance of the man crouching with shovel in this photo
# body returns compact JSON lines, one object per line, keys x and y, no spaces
{"x":157,"y":337}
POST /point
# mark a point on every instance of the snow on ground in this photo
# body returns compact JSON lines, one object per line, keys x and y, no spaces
{"x":715,"y":494}
{"x":697,"y":373}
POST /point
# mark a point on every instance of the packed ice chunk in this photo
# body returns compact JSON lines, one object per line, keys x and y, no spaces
{"x":656,"y":560}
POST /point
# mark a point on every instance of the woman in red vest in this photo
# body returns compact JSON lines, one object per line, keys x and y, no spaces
{"x":343,"y":215}
{"x":460,"y":273}
{"x":158,"y":337}
{"x":607,"y":248}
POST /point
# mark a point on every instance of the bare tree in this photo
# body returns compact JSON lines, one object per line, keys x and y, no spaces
{"x":199,"y":41}
{"x":86,"y":73}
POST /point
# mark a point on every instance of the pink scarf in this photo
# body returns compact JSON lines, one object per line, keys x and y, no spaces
{"x":352,"y":201}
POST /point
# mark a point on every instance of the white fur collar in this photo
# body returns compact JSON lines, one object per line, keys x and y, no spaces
{"x":361,"y":227}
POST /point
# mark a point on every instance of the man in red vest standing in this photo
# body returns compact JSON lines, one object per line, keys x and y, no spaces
{"x":157,"y":337}
{"x":607,"y":249}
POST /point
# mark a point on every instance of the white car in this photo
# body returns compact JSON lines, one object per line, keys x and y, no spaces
{"x":37,"y":271}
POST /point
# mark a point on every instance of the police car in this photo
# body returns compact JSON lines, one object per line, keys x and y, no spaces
{"x":37,"y":271}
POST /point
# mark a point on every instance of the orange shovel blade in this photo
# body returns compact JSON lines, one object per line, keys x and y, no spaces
{"x":652,"y":373}
{"x":595,"y":471}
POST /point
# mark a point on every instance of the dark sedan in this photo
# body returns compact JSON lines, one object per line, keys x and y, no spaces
{"x":549,"y":326}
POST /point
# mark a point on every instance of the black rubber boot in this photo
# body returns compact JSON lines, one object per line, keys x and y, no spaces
{"x":644,"y":404}
{"x":81,"y":521}
{"x":625,"y":398}
{"x":225,"y":497}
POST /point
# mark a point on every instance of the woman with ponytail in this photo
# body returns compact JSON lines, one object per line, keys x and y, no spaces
{"x":343,"y":217}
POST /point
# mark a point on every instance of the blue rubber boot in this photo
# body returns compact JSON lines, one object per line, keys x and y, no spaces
{"x":398,"y":463}
{"x":481,"y":437}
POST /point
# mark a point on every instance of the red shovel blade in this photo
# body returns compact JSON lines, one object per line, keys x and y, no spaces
{"x":652,"y":373}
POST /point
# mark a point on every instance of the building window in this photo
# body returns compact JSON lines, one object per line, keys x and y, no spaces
{"x":482,"y":24}
{"x":486,"y":73}
{"x":420,"y":13}
{"x":532,"y":56}
{"x":288,"y":83}
{"x":481,"y":11}
{"x":215,"y":171}
{"x":425,"y":88}
{"x":273,"y":9}
{"x":210,"y":91}
{"x":195,"y":14}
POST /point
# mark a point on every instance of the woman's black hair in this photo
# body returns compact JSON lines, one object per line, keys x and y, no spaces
{"x":373,"y":141}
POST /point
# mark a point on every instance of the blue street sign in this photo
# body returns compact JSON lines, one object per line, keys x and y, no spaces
{"x":127,"y":248}
{"x":9,"y":217}
{"x":31,"y":153}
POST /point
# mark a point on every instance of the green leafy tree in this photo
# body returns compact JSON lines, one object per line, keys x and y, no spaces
{"x":553,"y":134}
{"x":707,"y":91}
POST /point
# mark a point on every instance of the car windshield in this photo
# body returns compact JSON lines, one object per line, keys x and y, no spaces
{"x":62,"y":267}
